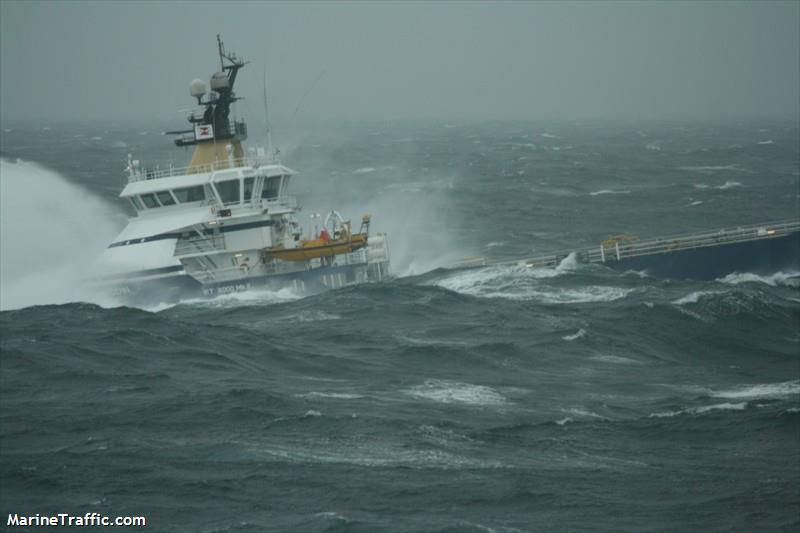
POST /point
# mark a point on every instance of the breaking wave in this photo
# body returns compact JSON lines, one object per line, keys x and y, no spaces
{"x":577,"y":335}
{"x":520,"y":283}
{"x":694,"y":297}
{"x":454,"y":392}
{"x":762,"y":391}
{"x":787,"y":279}
{"x":51,"y":231}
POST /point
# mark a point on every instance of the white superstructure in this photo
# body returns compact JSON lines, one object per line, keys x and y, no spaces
{"x":226,"y":221}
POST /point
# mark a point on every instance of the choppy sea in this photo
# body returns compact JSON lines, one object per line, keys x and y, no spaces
{"x":487,"y":400}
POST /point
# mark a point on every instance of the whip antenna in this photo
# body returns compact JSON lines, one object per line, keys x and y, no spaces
{"x":308,"y":91}
{"x":270,"y":150}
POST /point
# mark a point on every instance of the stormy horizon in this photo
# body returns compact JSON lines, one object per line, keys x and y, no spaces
{"x":395,"y":61}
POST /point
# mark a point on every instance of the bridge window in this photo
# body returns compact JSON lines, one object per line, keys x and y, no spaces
{"x":150,"y":200}
{"x":228,"y":191}
{"x":165,"y":198}
{"x":190,"y":194}
{"x":137,"y":204}
{"x":271,"y":188}
{"x":248,"y":188}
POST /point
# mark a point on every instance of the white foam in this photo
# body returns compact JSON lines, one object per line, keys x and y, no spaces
{"x":696,"y":202}
{"x":701,"y":410}
{"x":310,"y":316}
{"x":578,"y":411}
{"x":549,"y":136}
{"x":51,"y":231}
{"x":312,"y":414}
{"x":727,"y":185}
{"x":474,"y":281}
{"x":615,"y":359}
{"x":609,"y":191}
{"x":721,"y":407}
{"x":371,"y":453}
{"x":157,"y":308}
{"x":584,"y":295}
{"x":429,"y":342}
{"x":520,"y":283}
{"x":250,"y":297}
{"x":790,"y":279}
{"x":443,"y":391}
{"x":767,"y":390}
{"x":332,"y":395}
{"x":714,"y":168}
{"x":364,"y":170}
{"x":694,"y":297}
{"x":569,"y":263}
{"x":577,"y":335}
{"x":770,"y":141}
{"x":440,"y":435}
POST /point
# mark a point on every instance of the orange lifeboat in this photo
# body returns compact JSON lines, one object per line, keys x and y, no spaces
{"x":343,"y":242}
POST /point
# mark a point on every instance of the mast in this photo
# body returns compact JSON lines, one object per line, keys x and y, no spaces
{"x":213,"y":130}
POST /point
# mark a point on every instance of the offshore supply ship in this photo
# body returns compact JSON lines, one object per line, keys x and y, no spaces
{"x":225,"y":223}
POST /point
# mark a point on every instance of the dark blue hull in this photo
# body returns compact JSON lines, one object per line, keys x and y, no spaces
{"x":759,"y":257}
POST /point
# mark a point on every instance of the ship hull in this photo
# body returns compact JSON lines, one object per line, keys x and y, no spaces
{"x":759,"y":257}
{"x":181,"y":286}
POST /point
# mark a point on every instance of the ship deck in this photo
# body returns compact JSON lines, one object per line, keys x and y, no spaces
{"x":676,"y":253}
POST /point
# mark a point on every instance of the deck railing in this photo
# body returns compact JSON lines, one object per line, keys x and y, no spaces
{"x":615,"y":250}
{"x":199,"y":245}
{"x":138,"y":174}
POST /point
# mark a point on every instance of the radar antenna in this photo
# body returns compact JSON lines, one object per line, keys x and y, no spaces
{"x":214,"y":123}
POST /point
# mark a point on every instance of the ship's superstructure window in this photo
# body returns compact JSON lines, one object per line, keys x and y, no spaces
{"x":271,"y":188}
{"x":137,"y":204}
{"x":249,"y":183}
{"x":150,"y":200}
{"x":165,"y":198}
{"x":228,"y":191}
{"x":190,"y":194}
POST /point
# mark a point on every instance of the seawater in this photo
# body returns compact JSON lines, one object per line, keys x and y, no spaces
{"x":496,"y":399}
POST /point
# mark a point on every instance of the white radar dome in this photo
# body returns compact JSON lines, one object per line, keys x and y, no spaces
{"x":219,"y":81}
{"x":197,"y":88}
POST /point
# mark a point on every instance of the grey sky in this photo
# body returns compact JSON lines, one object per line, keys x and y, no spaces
{"x":413,"y":59}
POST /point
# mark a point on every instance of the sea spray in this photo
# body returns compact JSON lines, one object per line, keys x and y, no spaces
{"x":51,"y":231}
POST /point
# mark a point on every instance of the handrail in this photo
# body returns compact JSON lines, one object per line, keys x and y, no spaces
{"x":157,"y":173}
{"x":606,"y":253}
{"x":199,"y":245}
{"x":697,"y":240}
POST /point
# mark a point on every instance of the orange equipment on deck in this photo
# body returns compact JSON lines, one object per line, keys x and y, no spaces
{"x":323,"y":246}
